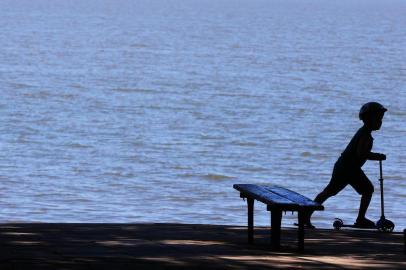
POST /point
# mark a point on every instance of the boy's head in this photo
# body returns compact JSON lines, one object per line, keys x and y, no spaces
{"x":371,"y":114}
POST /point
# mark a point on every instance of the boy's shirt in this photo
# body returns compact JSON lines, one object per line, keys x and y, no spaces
{"x":356,"y":152}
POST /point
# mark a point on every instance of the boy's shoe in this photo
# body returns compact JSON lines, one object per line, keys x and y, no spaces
{"x":364,"y":223}
{"x":307,"y":225}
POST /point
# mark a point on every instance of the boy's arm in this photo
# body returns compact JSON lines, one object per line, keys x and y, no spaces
{"x":364,"y":152}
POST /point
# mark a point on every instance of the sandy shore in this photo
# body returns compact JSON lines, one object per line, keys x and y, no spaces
{"x":174,"y":246}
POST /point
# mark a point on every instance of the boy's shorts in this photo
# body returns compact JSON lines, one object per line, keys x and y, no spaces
{"x":343,"y":176}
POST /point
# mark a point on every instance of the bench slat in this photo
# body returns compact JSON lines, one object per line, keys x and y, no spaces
{"x":262,"y":194}
{"x":296,"y":197}
{"x":278,"y":197}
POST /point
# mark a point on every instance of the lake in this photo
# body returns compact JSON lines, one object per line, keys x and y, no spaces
{"x":150,"y":111}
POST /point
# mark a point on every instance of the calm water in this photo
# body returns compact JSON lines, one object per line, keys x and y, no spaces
{"x":149,"y":111}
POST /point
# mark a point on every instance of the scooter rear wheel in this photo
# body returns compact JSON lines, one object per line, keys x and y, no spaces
{"x":338,"y":223}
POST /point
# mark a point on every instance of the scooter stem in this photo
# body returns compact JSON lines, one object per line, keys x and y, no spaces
{"x":381,"y":185}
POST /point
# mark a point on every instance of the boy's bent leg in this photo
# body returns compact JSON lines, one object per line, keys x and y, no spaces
{"x":363,"y":206}
{"x":362,"y":221}
{"x":365,"y":188}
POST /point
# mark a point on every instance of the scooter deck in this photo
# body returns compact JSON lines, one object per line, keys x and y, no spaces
{"x":358,"y":227}
{"x":339,"y":223}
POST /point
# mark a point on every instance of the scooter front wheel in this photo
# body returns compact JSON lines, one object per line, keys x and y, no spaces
{"x":385,"y":225}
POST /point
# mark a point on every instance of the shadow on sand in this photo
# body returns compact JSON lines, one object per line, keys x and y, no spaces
{"x":175,"y":246}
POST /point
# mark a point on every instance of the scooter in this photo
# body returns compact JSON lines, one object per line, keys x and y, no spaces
{"x":382,"y":225}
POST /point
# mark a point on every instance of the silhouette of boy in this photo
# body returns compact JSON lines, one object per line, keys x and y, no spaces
{"x":347,"y":170}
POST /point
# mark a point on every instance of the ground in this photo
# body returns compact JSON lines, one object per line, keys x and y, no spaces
{"x":177,"y":246}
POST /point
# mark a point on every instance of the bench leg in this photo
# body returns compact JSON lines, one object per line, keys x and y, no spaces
{"x":301,"y":220}
{"x":250,"y":203}
{"x":276,"y":219}
{"x":404,"y":237}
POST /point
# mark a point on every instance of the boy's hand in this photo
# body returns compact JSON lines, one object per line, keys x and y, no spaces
{"x":376,"y":156}
{"x":380,"y":156}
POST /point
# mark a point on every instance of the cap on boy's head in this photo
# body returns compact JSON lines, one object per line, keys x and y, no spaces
{"x":371,"y":107}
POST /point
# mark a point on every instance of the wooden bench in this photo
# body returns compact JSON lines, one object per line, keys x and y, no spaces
{"x":277,"y":199}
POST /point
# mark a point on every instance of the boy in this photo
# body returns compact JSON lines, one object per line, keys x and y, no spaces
{"x":347,"y":169}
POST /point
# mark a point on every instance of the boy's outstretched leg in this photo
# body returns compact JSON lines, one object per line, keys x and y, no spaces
{"x":320,"y":198}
